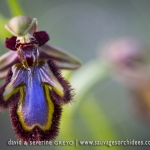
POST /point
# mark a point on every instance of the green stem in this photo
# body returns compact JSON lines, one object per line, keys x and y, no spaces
{"x":97,"y":124}
{"x":83,"y":81}
{"x":3,"y":32}
{"x":15,"y":8}
{"x":88,"y":77}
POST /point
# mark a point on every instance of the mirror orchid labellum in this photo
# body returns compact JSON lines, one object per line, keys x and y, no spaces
{"x":34,"y":90}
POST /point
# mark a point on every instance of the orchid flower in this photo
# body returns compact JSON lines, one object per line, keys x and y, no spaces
{"x":128,"y":59}
{"x":34,"y":89}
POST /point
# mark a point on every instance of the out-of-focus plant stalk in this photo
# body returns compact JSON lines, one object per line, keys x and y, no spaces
{"x":15,"y":8}
{"x":84,"y":80}
{"x":98,"y":124}
{"x":3,"y":33}
{"x":88,"y":77}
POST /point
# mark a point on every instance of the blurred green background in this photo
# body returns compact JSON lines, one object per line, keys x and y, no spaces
{"x":102,"y":109}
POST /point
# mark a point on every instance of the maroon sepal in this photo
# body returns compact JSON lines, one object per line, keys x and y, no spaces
{"x":10,"y":43}
{"x":68,"y":91}
{"x":42,"y":37}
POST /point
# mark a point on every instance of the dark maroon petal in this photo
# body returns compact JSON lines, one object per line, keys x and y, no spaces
{"x":36,"y":134}
{"x":10,"y":101}
{"x":42,"y":37}
{"x":68,"y":91}
{"x":10,"y":43}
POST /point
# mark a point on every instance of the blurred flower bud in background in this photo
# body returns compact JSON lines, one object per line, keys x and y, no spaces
{"x":128,"y":61}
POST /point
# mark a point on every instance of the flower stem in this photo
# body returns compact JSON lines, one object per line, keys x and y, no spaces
{"x":84,"y":81}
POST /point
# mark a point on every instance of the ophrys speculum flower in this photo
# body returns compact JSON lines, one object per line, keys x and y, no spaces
{"x":34,"y":89}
